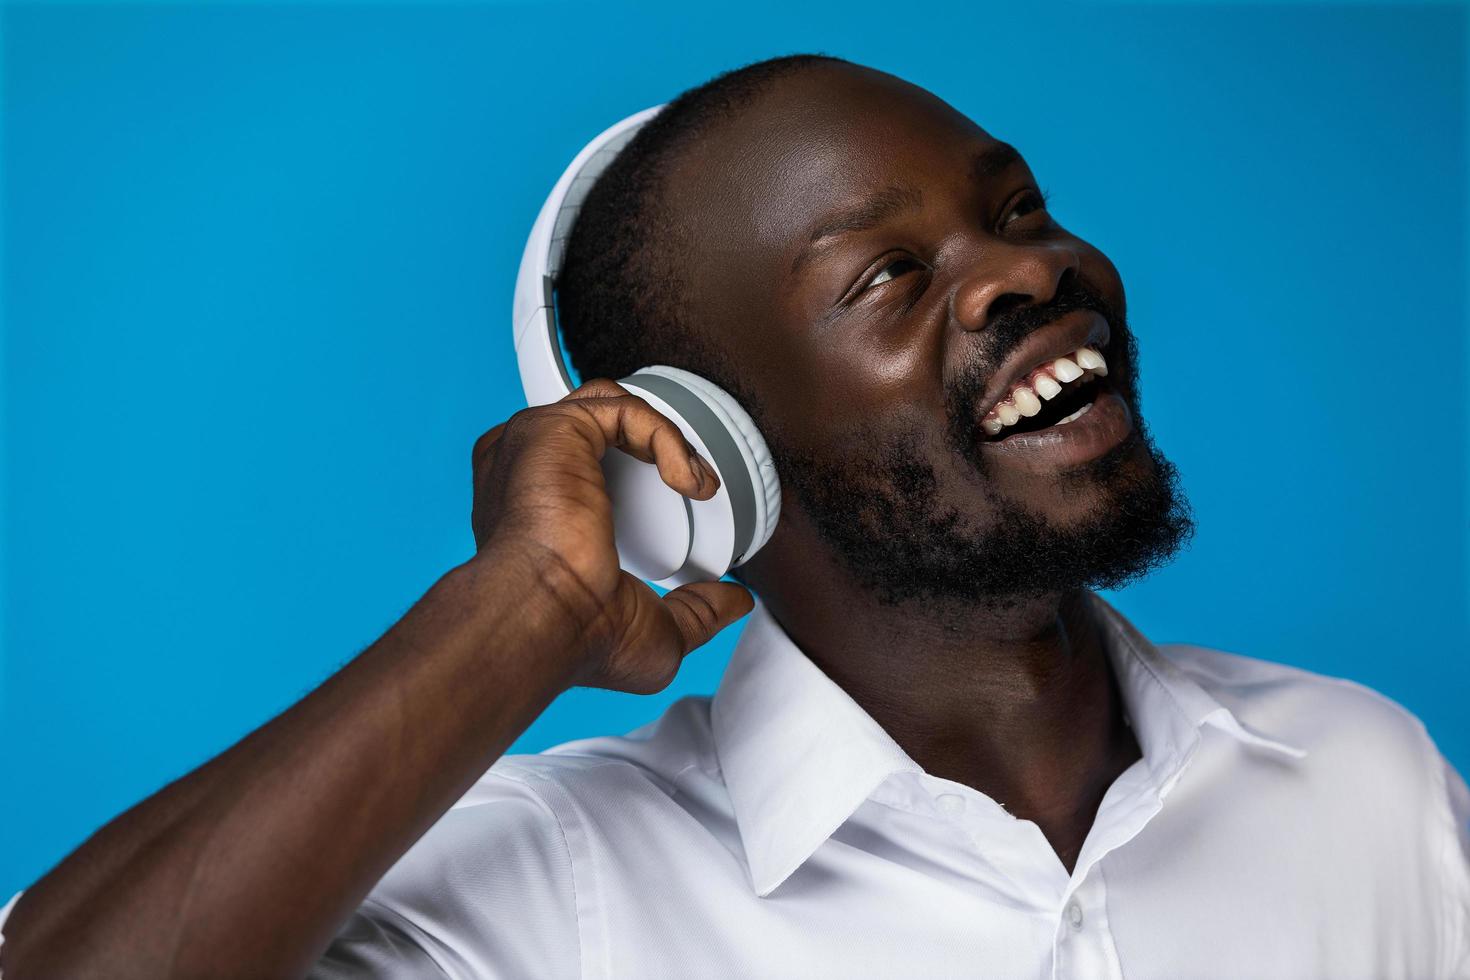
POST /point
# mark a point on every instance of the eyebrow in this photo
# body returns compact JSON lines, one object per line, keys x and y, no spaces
{"x":869,"y":212}
{"x":993,"y":161}
{"x":884,"y":204}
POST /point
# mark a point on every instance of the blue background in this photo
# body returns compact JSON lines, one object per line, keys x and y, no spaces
{"x":257,"y":277}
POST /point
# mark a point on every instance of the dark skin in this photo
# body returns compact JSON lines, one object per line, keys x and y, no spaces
{"x":248,"y":865}
{"x":1018,"y":703}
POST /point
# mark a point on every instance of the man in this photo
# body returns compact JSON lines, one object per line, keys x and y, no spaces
{"x":937,"y":751}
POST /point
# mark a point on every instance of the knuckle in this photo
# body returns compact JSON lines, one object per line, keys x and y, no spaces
{"x":522,"y":420}
{"x":484,"y":444}
{"x":638,"y":409}
{"x":599,"y":388}
{"x":667,"y":426}
{"x":704,"y":612}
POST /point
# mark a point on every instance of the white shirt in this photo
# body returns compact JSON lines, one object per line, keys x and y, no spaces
{"x":1281,"y":823}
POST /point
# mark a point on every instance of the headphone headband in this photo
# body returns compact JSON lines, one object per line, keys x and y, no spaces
{"x":661,"y":535}
{"x":544,"y":375}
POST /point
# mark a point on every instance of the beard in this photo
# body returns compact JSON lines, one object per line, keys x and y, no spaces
{"x":879,"y":509}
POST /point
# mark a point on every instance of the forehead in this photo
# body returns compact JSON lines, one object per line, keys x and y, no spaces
{"x":812,"y":146}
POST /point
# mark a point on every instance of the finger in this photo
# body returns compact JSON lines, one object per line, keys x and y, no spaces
{"x":596,"y":388}
{"x":702,"y":609}
{"x":634,"y":426}
{"x":486,"y":441}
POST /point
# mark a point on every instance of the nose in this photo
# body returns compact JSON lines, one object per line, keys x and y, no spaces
{"x":1010,"y":275}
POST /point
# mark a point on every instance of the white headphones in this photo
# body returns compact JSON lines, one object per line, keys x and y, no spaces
{"x":661,"y":535}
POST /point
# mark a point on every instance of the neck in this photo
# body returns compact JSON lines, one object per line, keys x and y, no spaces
{"x":1019,"y":702}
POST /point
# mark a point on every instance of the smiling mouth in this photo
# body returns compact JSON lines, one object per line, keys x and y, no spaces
{"x":1055,"y":394}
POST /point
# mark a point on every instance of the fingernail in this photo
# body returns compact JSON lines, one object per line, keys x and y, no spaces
{"x":696,"y":466}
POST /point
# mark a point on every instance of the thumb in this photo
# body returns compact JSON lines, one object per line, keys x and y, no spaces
{"x":702,"y":609}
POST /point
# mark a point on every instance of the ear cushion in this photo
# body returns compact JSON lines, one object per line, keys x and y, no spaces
{"x":760,"y":470}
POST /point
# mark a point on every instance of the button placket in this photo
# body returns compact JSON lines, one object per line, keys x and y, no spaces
{"x":1074,"y":914}
{"x":1084,"y":946}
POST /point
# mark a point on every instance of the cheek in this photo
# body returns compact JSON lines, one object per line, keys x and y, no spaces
{"x":863,"y":372}
{"x":866,"y":368}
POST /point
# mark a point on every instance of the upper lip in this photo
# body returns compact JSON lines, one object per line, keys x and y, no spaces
{"x":1080,"y":328}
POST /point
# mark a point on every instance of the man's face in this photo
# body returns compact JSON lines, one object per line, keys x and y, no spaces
{"x":880,"y":271}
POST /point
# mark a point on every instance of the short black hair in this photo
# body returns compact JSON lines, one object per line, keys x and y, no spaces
{"x":620,"y":293}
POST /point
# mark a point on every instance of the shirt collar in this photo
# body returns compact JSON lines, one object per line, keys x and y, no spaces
{"x":799,"y":756}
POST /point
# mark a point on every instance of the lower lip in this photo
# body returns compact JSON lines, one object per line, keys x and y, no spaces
{"x":1104,"y":425}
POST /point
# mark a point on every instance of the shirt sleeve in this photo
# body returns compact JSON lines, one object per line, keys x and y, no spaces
{"x":487,"y":892}
{"x":1459,"y":807}
{"x":1459,"y":909}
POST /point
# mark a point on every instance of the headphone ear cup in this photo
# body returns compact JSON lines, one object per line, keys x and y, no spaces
{"x":732,"y":443}
{"x":760,"y":471}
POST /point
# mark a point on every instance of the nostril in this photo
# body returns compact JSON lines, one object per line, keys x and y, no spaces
{"x":1006,"y":302}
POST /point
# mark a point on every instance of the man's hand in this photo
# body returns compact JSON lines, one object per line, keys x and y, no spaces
{"x":540,"y":497}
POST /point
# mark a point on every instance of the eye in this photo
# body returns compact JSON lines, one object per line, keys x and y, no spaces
{"x":893,"y":270}
{"x":1036,"y":199}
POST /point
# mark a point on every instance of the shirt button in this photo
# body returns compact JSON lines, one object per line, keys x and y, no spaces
{"x":1074,"y":915}
{"x":950,"y":803}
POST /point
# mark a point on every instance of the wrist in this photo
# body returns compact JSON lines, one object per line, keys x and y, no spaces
{"x":542,"y":599}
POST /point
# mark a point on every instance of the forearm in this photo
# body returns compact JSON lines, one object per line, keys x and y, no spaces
{"x":247,"y":865}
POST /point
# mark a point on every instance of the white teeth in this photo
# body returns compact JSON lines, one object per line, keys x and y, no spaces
{"x":1023,"y":401}
{"x":1026,"y":401}
{"x":1065,"y":370}
{"x":1091,"y":360}
{"x":1075,"y":415}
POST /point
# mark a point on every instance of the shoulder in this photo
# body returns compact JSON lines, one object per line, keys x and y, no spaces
{"x":649,"y":761}
{"x":1376,"y":780}
{"x":532,"y":798}
{"x":1321,"y":713}
{"x":1363,"y":748}
{"x":500,"y":884}
{"x":538,"y":805}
